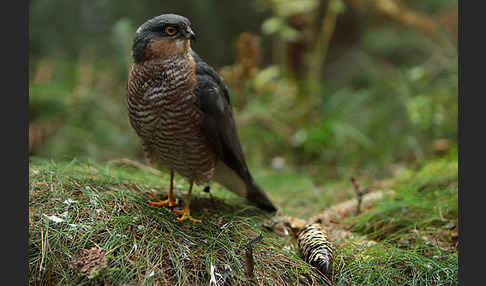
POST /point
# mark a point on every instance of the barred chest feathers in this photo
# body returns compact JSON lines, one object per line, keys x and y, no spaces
{"x":162,"y":110}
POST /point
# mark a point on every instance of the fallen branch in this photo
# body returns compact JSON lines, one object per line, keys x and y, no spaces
{"x":338,"y":212}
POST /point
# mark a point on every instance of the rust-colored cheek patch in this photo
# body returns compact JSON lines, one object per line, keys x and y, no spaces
{"x":166,"y":47}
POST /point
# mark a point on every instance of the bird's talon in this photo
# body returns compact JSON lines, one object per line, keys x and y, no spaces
{"x":173,"y":204}
{"x":186,"y":214}
{"x":174,"y":211}
{"x":189,"y":217}
{"x":160,"y":203}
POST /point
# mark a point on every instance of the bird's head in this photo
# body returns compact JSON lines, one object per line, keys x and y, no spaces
{"x":161,"y":37}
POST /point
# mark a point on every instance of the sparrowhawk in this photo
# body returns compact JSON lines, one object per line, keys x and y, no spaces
{"x":180,"y":108}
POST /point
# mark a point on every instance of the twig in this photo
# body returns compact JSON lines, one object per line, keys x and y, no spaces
{"x":249,"y":255}
{"x":359,"y":193}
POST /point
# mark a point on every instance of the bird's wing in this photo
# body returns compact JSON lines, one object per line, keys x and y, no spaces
{"x":219,"y":128}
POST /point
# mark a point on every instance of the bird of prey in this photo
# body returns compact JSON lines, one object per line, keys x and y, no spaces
{"x":180,"y":108}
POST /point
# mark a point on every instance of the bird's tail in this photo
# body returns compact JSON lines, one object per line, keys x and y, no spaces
{"x":256,"y":195}
{"x":243,"y":187}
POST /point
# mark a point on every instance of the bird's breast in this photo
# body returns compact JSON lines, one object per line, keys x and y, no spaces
{"x":162,"y":109}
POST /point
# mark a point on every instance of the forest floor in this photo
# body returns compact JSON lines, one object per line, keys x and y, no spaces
{"x":90,"y":224}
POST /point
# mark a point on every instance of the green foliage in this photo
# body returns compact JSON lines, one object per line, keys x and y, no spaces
{"x":433,"y":6}
{"x":423,"y":200}
{"x":385,"y":121}
{"x":123,"y":31}
{"x":93,"y":124}
{"x":393,"y":95}
{"x":46,"y":102}
{"x":282,"y":11}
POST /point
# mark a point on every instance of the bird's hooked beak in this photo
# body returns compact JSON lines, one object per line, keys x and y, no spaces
{"x":188,"y":33}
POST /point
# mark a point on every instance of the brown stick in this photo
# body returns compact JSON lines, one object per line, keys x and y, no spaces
{"x":250,"y":263}
{"x":359,"y":193}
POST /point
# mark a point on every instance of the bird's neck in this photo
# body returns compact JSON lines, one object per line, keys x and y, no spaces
{"x":174,"y":71}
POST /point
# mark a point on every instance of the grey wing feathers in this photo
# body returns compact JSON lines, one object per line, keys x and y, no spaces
{"x":219,"y":129}
{"x":218,"y":122}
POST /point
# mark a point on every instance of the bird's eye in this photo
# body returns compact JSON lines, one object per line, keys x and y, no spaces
{"x":170,"y":30}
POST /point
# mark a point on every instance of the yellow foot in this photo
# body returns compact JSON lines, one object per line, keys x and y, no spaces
{"x":160,"y":203}
{"x":186,"y":214}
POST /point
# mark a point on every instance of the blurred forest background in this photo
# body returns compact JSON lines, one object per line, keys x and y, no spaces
{"x":329,"y":88}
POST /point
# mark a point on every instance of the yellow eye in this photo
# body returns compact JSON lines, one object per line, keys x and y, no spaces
{"x":170,"y":30}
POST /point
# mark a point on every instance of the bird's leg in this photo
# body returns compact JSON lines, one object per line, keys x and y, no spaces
{"x":186,"y":212}
{"x":170,"y":201}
